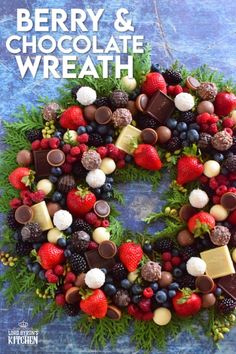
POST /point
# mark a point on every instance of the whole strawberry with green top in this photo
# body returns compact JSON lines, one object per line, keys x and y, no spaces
{"x":201,"y":223}
{"x":21,"y":177}
{"x":189,"y":168}
{"x":186,"y":303}
{"x":94,"y":303}
{"x":146,"y":156}
{"x":50,"y":255}
{"x":130,"y":254}
{"x":80,"y":201}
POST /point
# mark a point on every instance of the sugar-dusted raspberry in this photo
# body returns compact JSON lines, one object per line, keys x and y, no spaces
{"x":75,"y":151}
{"x":36,"y":145}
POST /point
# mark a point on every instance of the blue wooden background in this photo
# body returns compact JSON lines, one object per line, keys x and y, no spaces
{"x":192,"y":31}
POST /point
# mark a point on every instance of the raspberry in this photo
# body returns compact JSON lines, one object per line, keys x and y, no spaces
{"x":216,"y":199}
{"x":204,"y":128}
{"x":132,"y":309}
{"x":167,"y":266}
{"x":66,"y":167}
{"x":213,"y":119}
{"x":70,"y":277}
{"x":25,"y":193}
{"x":203,"y":118}
{"x":221,"y":179}
{"x":213,"y":184}
{"x":121,"y":155}
{"x":147,"y":316}
{"x":75,"y":151}
{"x":102,"y":150}
{"x":83,"y":138}
{"x":203,"y":179}
{"x":166,"y":256}
{"x":44,"y":143}
{"x":232,"y":176}
{"x":67,"y":286}
{"x":120,"y":164}
{"x":66,"y":148}
{"x":171,"y":90}
{"x":70,"y":159}
{"x":138,"y":315}
{"x":232,"y":189}
{"x":105,"y":223}
{"x":83,"y":148}
{"x":15,"y":203}
{"x":60,"y":300}
{"x":92,"y":245}
{"x":91,"y":218}
{"x":97,"y":223}
{"x":58,"y":270}
{"x":36,"y":145}
{"x":147,"y":292}
{"x":37,"y":196}
{"x":175,"y":261}
{"x":228,"y":122}
{"x":213,"y":129}
{"x":229,"y":131}
{"x":178,"y":89}
{"x":185,"y":89}
{"x":52,"y":278}
{"x":113,"y":151}
{"x":222,"y":189}
{"x":54,"y":143}
{"x":27,"y":201}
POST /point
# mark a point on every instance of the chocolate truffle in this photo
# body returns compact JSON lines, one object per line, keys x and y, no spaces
{"x":185,"y":238}
{"x":205,"y":107}
{"x":66,"y":183}
{"x":121,"y":298}
{"x":208,"y":300}
{"x":80,"y":280}
{"x":166,"y":279}
{"x":119,"y":99}
{"x":164,"y":134}
{"x":121,"y":117}
{"x":151,"y":271}
{"x":53,"y":208}
{"x":141,"y":102}
{"x":91,"y":160}
{"x":103,"y":115}
{"x":24,"y":158}
{"x":186,"y":211}
{"x":207,"y":91}
{"x":50,"y":111}
{"x":89,"y":112}
{"x":222,"y":141}
{"x":220,"y":235}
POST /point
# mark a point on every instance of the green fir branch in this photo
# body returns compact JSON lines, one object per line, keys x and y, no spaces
{"x":171,"y":229}
{"x":118,"y":196}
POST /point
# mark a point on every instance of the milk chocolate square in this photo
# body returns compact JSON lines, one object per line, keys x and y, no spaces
{"x":41,"y":165}
{"x":218,"y":262}
{"x":94,"y":260}
{"x":125,"y":138}
{"x":228,"y":285}
{"x":160,"y":107}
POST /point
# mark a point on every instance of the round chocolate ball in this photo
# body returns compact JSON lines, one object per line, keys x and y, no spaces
{"x":24,"y":158}
{"x":131,"y":106}
{"x":164,"y":134}
{"x":53,"y":208}
{"x":89,"y":112}
{"x":166,"y":279}
{"x":205,"y":107}
{"x":208,"y":300}
{"x":185,"y":238}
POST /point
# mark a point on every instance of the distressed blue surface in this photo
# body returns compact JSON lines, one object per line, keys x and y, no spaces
{"x":194,"y":32}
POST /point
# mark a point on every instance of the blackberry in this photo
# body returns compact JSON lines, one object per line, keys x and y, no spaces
{"x":95,"y":140}
{"x":34,"y":134}
{"x":233,"y":147}
{"x":187,"y":281}
{"x":188,"y":117}
{"x":144,"y":121}
{"x":188,"y":252}
{"x":11,"y":221}
{"x":230,"y":163}
{"x":81,"y":225}
{"x":173,"y":144}
{"x":23,"y":248}
{"x":204,"y":141}
{"x":102,"y":101}
{"x":155,"y":68}
{"x":119,"y":272}
{"x":74,"y":91}
{"x":79,"y":170}
{"x":32,"y":232}
{"x":226,"y":305}
{"x":172,"y":77}
{"x":80,"y":241}
{"x":78,"y":263}
{"x":163,"y":244}
{"x":71,"y":309}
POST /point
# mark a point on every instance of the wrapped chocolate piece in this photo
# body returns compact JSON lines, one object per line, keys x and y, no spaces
{"x":228,"y":284}
{"x":41,"y":216}
{"x":160,"y":107}
{"x":41,"y":165}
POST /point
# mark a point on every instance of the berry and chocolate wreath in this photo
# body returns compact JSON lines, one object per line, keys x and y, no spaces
{"x":62,"y":240}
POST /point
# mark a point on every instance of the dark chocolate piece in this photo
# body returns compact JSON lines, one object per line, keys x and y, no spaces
{"x":149,"y":136}
{"x":228,"y":284}
{"x":94,"y":260}
{"x":204,"y":283}
{"x":160,"y":107}
{"x":56,"y":157}
{"x":23,"y":214}
{"x":103,"y":115}
{"x":102,"y":208}
{"x":113,"y":312}
{"x":41,"y":166}
{"x":107,"y":249}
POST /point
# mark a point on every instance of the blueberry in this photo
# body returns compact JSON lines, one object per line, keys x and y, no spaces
{"x":185,"y":143}
{"x":104,"y":270}
{"x":27,"y":260}
{"x":227,"y":224}
{"x":29,"y":267}
{"x":136,"y":299}
{"x":56,"y":197}
{"x":81,"y":130}
{"x":224,"y":171}
{"x":155,"y":68}
{"x":36,"y":246}
{"x":171,"y":293}
{"x":175,"y":252}
{"x":56,"y":171}
{"x":218,"y":157}
{"x":171,"y":123}
{"x":128,"y":158}
{"x":89,"y":129}
{"x":173,"y":286}
{"x":160,"y":296}
{"x":53,"y":179}
{"x":97,"y":192}
{"x":17,"y":236}
{"x":93,"y":124}
{"x":182,"y":266}
{"x":126,"y":284}
{"x":63,"y":201}
{"x":193,"y":135}
{"x":147,"y":247}
{"x":106,"y":195}
{"x":109,"y":180}
{"x":194,"y":126}
{"x":109,"y":279}
{"x":68,"y":231}
{"x":108,"y":139}
{"x":111,"y":132}
{"x":58,"y":135}
{"x":62,"y":143}
{"x":175,"y":132}
{"x":218,"y":292}
{"x":136,"y":289}
{"x":166,"y":304}
{"x":177,"y":272}
{"x":102,"y":129}
{"x":107,"y":187}
{"x":154,"y":286}
{"x":110,"y":289}
{"x":61,"y":242}
{"x":183,"y":135}
{"x":67,"y":253}
{"x":42,"y":275}
{"x":181,"y":127}
{"x":35,"y":268}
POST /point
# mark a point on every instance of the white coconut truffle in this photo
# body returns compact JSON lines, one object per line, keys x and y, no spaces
{"x":86,"y":95}
{"x":96,"y":178}
{"x":211,"y":168}
{"x":184,"y":101}
{"x":198,"y":198}
{"x":101,"y":234}
{"x":62,"y":219}
{"x":196,"y":266}
{"x":94,"y":278}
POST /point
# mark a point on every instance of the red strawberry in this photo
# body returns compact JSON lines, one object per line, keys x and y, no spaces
{"x":95,"y":304}
{"x":201,"y":223}
{"x":19,"y":178}
{"x":50,"y":255}
{"x":130,"y":254}
{"x":80,"y":201}
{"x":225,"y":102}
{"x":154,"y":82}
{"x":146,"y":156}
{"x":189,"y":168}
{"x":186,"y":303}
{"x":72,"y":118}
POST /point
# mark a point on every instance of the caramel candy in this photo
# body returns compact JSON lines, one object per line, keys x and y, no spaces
{"x":186,"y":211}
{"x":103,"y":115}
{"x":204,"y":283}
{"x":125,"y":138}
{"x":164,"y":134}
{"x":53,"y":208}
{"x":141,"y":102}
{"x":72,"y":295}
{"x":228,"y":200}
{"x":208,"y":300}
{"x":192,"y":83}
{"x":113,"y":312}
{"x":185,"y":238}
{"x":56,"y":157}
{"x":41,"y":216}
{"x":107,"y":249}
{"x":149,"y":136}
{"x":131,"y":106}
{"x":218,"y":262}
{"x":89,"y":112}
{"x":166,"y":279}
{"x":24,"y":214}
{"x":80,"y":280}
{"x":24,"y":158}
{"x":101,"y":208}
